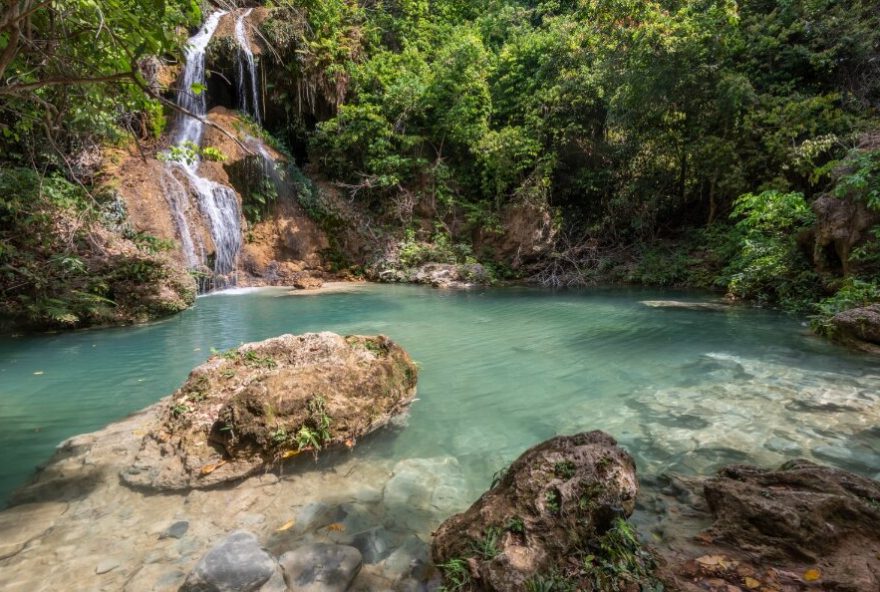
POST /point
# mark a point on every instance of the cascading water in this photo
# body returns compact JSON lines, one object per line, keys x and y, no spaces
{"x":217,"y":202}
{"x":247,"y":69}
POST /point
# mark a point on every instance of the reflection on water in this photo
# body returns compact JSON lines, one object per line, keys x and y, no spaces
{"x":501,"y":370}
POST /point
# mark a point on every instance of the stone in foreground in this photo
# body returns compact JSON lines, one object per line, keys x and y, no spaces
{"x":238,"y":564}
{"x":560,"y":497}
{"x":321,"y":567}
{"x":250,"y":408}
{"x":801,"y":514}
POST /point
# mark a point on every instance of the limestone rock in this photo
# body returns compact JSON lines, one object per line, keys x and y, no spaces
{"x":553,"y":500}
{"x":860,"y":326}
{"x":321,"y":567}
{"x":801,"y":513}
{"x":22,"y":524}
{"x":841,"y":226}
{"x":237,"y":564}
{"x":250,"y":408}
{"x":307,"y":282}
{"x":529,"y":232}
{"x":698,"y":306}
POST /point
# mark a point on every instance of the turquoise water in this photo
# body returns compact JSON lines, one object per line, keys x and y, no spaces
{"x":501,"y":370}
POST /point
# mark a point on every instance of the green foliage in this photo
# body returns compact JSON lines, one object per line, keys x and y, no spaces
{"x":854,"y":293}
{"x":440,"y":249}
{"x":456,"y":575}
{"x":618,"y":561}
{"x":550,"y":583}
{"x":487,"y":547}
{"x":769,"y":266}
{"x":564,"y":469}
{"x":253,"y":359}
{"x":59,"y":266}
{"x":189,"y":152}
{"x":70,"y":71}
{"x":315,"y":432}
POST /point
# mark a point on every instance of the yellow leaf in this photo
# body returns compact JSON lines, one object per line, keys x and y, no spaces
{"x":811,"y":575}
{"x":286,"y":526}
{"x":290,"y":453}
{"x":751,"y":583}
{"x":714,"y":561}
{"x":208,"y":469}
{"x":336,"y":527}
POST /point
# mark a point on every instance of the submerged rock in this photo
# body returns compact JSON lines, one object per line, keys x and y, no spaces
{"x":699,"y":306}
{"x":250,"y":408}
{"x":321,"y":567}
{"x":559,"y":499}
{"x":238,"y":564}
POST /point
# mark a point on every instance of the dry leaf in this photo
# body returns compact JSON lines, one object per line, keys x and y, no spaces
{"x":286,"y":526}
{"x":336,"y":527}
{"x":208,"y":469}
{"x":811,"y":575}
{"x":751,"y":583}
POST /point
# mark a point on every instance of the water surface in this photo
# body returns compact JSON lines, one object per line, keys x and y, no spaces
{"x":501,"y":370}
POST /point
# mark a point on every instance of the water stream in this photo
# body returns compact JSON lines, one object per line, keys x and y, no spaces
{"x":217,"y":203}
{"x":247,"y":69}
{"x":502,"y":370}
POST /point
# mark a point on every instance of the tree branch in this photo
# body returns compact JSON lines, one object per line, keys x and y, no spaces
{"x":29,"y":86}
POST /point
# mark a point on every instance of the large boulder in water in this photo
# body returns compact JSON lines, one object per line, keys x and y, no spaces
{"x":559,"y":504}
{"x":248,"y":409}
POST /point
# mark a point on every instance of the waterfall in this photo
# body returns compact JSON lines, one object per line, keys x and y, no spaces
{"x":247,"y":69}
{"x":190,"y":129}
{"x":218,"y":203}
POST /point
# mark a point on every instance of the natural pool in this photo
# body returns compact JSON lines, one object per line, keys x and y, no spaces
{"x":502,"y":369}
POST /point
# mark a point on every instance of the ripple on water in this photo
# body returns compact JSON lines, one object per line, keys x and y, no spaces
{"x":501,"y":370}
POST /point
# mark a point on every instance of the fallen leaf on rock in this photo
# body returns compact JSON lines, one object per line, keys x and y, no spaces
{"x":714,"y":561}
{"x":291,"y":453}
{"x":751,"y":583}
{"x":811,"y":575}
{"x":286,"y":526}
{"x":336,"y":527}
{"x":208,"y":469}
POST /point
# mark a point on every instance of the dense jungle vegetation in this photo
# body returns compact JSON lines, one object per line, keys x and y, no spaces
{"x":676,"y":142}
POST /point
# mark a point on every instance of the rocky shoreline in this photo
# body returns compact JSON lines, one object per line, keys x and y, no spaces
{"x":569,"y":514}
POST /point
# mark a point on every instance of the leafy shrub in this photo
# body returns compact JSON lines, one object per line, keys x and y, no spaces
{"x":60,"y":266}
{"x":854,"y":293}
{"x":768,"y":267}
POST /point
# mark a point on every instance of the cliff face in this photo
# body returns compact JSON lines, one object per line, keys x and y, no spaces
{"x":284,"y":240}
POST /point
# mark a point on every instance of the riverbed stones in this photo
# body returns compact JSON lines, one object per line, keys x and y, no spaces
{"x":175,"y":531}
{"x":237,"y":564}
{"x":554,"y":499}
{"x":321,"y":567}
{"x":421,"y":489}
{"x":247,"y":409}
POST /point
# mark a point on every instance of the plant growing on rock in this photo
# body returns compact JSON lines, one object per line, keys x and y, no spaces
{"x":456,"y":575}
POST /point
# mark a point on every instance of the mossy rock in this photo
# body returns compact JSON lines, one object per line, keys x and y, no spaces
{"x":250,"y":408}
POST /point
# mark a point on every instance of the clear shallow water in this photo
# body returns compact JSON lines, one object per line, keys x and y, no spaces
{"x":501,"y":370}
